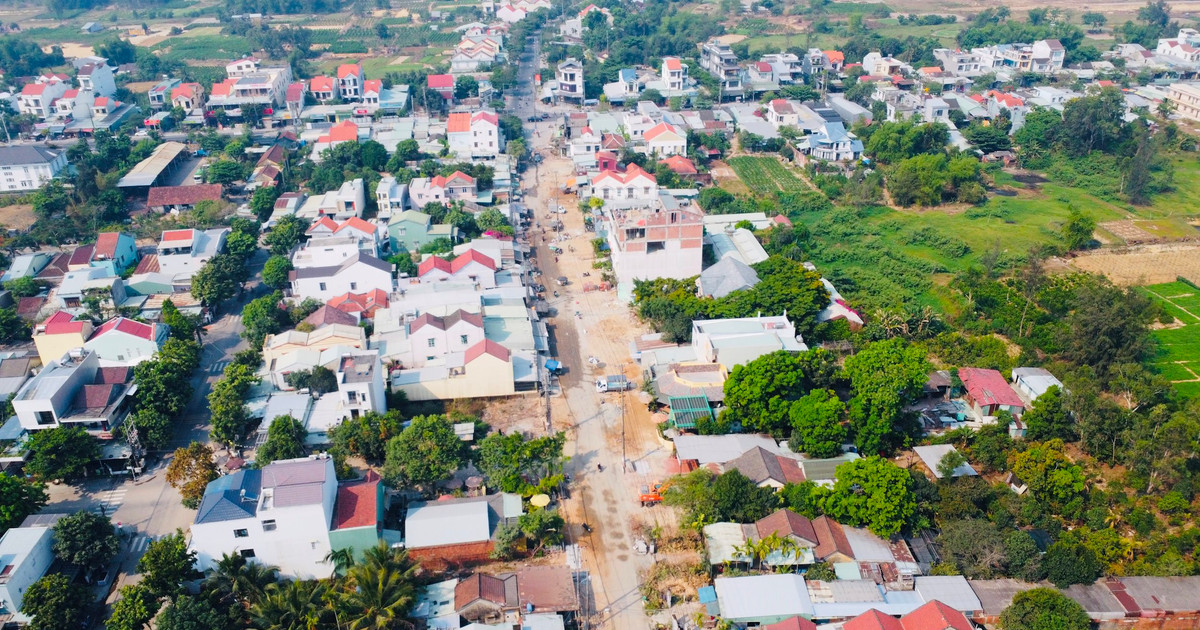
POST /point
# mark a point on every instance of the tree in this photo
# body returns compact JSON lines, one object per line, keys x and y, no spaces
{"x":373,"y":155}
{"x":167,"y":565}
{"x":1069,"y":562}
{"x":975,"y":546}
{"x":12,"y":327}
{"x":237,"y":582}
{"x":61,"y":453}
{"x":135,"y":608}
{"x":817,"y":429}
{"x":183,"y":327}
{"x":285,"y":440}
{"x":299,"y":604}
{"x":1049,"y":473}
{"x":1094,"y":18}
{"x":381,"y":590}
{"x":759,"y":395}
{"x":736,"y":498}
{"x":542,"y":527}
{"x":86,"y":540}
{"x":54,"y":603}
{"x":874,"y":493}
{"x":381,"y":30}
{"x":262,"y":202}
{"x":884,"y":375}
{"x":465,"y":86}
{"x":426,"y":452}
{"x":23,"y":287}
{"x":1109,"y":326}
{"x":218,"y":279}
{"x":1048,"y":419}
{"x":1044,"y":609}
{"x":19,"y":498}
{"x":275,"y":272}
{"x":285,"y":235}
{"x":241,"y":244}
{"x":367,"y":435}
{"x":190,"y":613}
{"x":190,"y":471}
{"x":1023,"y":556}
{"x":406,"y":151}
{"x":949,"y":463}
{"x":263,"y":316}
{"x":512,"y":463}
{"x":224,"y":172}
{"x":1077,"y":231}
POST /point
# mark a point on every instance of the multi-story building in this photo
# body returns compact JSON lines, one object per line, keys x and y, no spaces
{"x":97,"y":78}
{"x":37,"y":98}
{"x":719,"y":60}
{"x":75,"y":391}
{"x":959,"y":62}
{"x":265,"y":87}
{"x":187,"y":96}
{"x":633,"y":187}
{"x":28,"y":167}
{"x":569,"y":76}
{"x":650,"y":244}
{"x":160,"y":95}
{"x":1186,"y":99}
{"x":350,"y":81}
{"x":474,"y":135}
{"x":26,"y":553}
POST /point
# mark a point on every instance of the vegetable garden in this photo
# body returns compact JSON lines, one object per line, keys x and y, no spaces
{"x":766,"y":175}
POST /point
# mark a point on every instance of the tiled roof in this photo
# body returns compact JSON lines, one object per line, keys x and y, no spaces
{"x":488,"y":117}
{"x":345,"y":131}
{"x":658,"y":130}
{"x":97,"y":396}
{"x":149,"y":264}
{"x":355,"y":223}
{"x":321,"y":84}
{"x":183,"y":195}
{"x":758,"y":464}
{"x":487,"y":346}
{"x":794,"y":623}
{"x":357,"y":503}
{"x":431,"y":263}
{"x":372,"y":85}
{"x":631,"y":173}
{"x":348,"y":69}
{"x":447,"y":322}
{"x":834,"y":56}
{"x":781,"y":106}
{"x":114,"y":374}
{"x":33,"y":89}
{"x":365,"y":303}
{"x":786,"y":523}
{"x":295,"y":92}
{"x":326,"y":315}
{"x":325,"y":223}
{"x":106,"y":244}
{"x":479,"y":586}
{"x":82,"y":255}
{"x":231,"y":497}
{"x":440,"y":81}
{"x":469,"y":256}
{"x":29,"y":307}
{"x":672,"y":63}
{"x":62,"y":323}
{"x":680,"y":165}
{"x":831,"y":538}
{"x":127,"y":326}
{"x":935,"y":615}
{"x":458,"y":122}
{"x":873,"y":620}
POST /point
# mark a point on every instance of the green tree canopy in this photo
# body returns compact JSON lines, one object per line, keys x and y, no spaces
{"x":367,"y":435}
{"x":190,"y":613}
{"x":54,"y":603}
{"x":135,"y":608}
{"x":1048,"y":419}
{"x":1070,"y":562}
{"x":219,"y":279}
{"x":874,"y":493}
{"x":1049,"y":473}
{"x":285,"y":440}
{"x":425,"y":453}
{"x":61,"y":453}
{"x":817,"y":429}
{"x":263,"y":316}
{"x":1044,"y":609}
{"x":167,"y":565}
{"x":86,"y":540}
{"x":512,"y":463}
{"x":759,"y":395}
{"x":275,"y":272}
{"x":285,"y":235}
{"x":884,"y":375}
{"x":19,"y":498}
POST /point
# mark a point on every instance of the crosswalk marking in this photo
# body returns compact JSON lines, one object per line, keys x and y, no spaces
{"x":218,"y":367}
{"x":111,"y":500}
{"x":138,"y":545}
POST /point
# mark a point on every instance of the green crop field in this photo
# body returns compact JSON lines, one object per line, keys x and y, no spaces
{"x":765,"y":175}
{"x":1178,"y":355}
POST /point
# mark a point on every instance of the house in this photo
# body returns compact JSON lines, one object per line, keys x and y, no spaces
{"x":1185,"y":97}
{"x":58,"y":334}
{"x":726,"y":276}
{"x":568,"y":76}
{"x":345,"y":131}
{"x":457,"y":186}
{"x":762,"y":599}
{"x":322,"y":88}
{"x":277,"y":347}
{"x":360,"y":305}
{"x":97,"y":78}
{"x":486,"y":369}
{"x":932,"y":456}
{"x":91,"y":27}
{"x":781,"y":113}
{"x":265,"y":87}
{"x":350,"y":81}
{"x":675,"y":82}
{"x":90,"y":282}
{"x":115,"y":251}
{"x":124,"y":341}
{"x":483,"y":598}
{"x":442,"y":84}
{"x":26,"y":553}
{"x":411,"y":229}
{"x":28,"y":167}
{"x":75,"y":390}
{"x":187,"y":96}
{"x":633,"y":187}
{"x":472,"y":266}
{"x":510,"y":14}
{"x":738,"y":341}
{"x":1032,"y":382}
{"x":176,"y":199}
{"x":363,"y":234}
{"x":958,"y":62}
{"x":766,"y":468}
{"x":474,"y":135}
{"x":160,"y":94}
{"x":280,"y":515}
{"x":182,"y":253}
{"x":646,"y":244}
{"x":358,"y":515}
{"x":391,"y":197}
{"x":37,"y":98}
{"x":664,"y":139}
{"x":832,"y":143}
{"x":988,"y":392}
{"x":26,"y":266}
{"x":719,"y":60}
{"x":433,"y":338}
{"x":686,"y":169}
{"x":347,"y":202}
{"x":360,"y":272}
{"x":456,"y":532}
{"x":241,"y":67}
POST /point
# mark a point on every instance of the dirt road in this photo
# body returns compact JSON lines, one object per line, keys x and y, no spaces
{"x":601,"y":431}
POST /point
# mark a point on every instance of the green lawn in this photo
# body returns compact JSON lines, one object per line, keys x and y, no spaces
{"x":1178,"y":355}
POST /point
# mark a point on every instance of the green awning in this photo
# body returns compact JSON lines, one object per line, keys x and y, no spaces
{"x":686,"y":411}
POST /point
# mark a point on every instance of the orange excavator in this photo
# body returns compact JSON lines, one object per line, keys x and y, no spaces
{"x":651,"y":494}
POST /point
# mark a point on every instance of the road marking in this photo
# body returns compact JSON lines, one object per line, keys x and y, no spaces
{"x":138,"y":545}
{"x":111,"y":501}
{"x":218,"y":367}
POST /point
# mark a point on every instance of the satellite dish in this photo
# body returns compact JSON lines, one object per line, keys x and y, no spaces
{"x":539,"y":500}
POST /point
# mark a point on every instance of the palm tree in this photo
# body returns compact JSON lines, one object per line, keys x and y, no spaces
{"x":379,"y":599}
{"x":293,"y":606}
{"x":341,"y":559}
{"x":235,"y":580}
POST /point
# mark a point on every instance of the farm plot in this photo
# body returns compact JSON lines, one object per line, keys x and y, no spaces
{"x":1178,"y":357}
{"x":766,"y":175}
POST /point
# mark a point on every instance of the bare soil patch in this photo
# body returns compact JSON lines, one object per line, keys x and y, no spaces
{"x":17,"y":216}
{"x":1128,"y":231}
{"x":1145,"y":264}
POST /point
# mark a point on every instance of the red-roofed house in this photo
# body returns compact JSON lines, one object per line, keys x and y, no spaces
{"x":474,"y":135}
{"x":457,"y":185}
{"x":345,"y":131}
{"x":350,"y":81}
{"x":74,"y":390}
{"x":781,"y":113}
{"x":322,"y":88}
{"x":873,"y":620}
{"x":188,"y":96}
{"x":125,"y":341}
{"x":180,"y":198}
{"x":470,"y":266}
{"x":633,"y":185}
{"x":442,"y":84}
{"x":38,"y":99}
{"x":362,"y":304}
{"x":114,"y":251}
{"x":686,"y":169}
{"x":294,"y":99}
{"x":664,"y":139}
{"x":988,"y":392}
{"x":485,"y":370}
{"x":358,"y":515}
{"x":779,"y":219}
{"x":433,"y":338}
{"x":836,"y":59}
{"x":794,"y":623}
{"x":934,"y":615}
{"x":1006,"y":100}
{"x":371,"y":90}
{"x":59,"y":334}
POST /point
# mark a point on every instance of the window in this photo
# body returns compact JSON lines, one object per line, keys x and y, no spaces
{"x":247,"y":553}
{"x":321,"y":286}
{"x":353,"y":286}
{"x":268,"y":525}
{"x":462,"y":339}
{"x":432,"y":342}
{"x":240,"y":533}
{"x":45,"y":418}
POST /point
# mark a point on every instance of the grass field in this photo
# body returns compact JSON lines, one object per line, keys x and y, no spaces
{"x":766,"y":175}
{"x":1178,"y":356}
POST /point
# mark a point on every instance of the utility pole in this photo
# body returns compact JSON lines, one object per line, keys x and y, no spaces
{"x":135,"y":447}
{"x":624,"y":459}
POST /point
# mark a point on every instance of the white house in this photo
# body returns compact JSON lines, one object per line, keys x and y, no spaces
{"x":733,"y":342}
{"x":649,"y":244}
{"x":75,"y":391}
{"x":356,"y":274}
{"x":474,"y":135}
{"x":471,"y":266}
{"x":441,"y":189}
{"x":279,"y":516}
{"x":585,"y":143}
{"x":782,"y":113}
{"x":97,"y":78}
{"x":28,"y":167}
{"x":431,"y":337}
{"x":26,"y":553}
{"x":633,"y":185}
{"x":181,"y":253}
{"x":350,"y":81}
{"x":241,"y":67}
{"x":390,"y":197}
{"x":569,"y":76}
{"x":664,"y":139}
{"x":37,"y":98}
{"x":832,"y":143}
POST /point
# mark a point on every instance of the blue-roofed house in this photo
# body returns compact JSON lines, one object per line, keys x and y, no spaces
{"x":832,"y":143}
{"x":26,"y":266}
{"x":627,"y":86}
{"x":279,"y":515}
